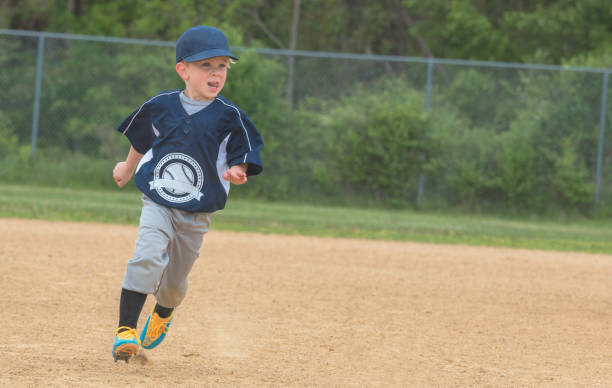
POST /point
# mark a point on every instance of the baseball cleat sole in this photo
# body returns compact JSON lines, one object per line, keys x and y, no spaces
{"x":125,"y":352}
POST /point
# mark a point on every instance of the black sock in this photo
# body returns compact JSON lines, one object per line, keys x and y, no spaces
{"x":163,"y":312}
{"x":130,"y":306}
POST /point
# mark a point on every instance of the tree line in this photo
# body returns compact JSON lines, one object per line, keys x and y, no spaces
{"x":542,"y":31}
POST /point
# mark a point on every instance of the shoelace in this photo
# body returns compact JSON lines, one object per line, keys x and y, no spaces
{"x":129,"y":333}
{"x":157,"y":326}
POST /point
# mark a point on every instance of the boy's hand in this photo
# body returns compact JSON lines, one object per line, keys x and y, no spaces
{"x":122,"y":173}
{"x":236,"y":174}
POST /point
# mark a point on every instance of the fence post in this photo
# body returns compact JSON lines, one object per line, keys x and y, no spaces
{"x":39,"y":68}
{"x":430,"y":64}
{"x":602,"y":131}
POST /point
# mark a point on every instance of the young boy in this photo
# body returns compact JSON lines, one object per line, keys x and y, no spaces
{"x":186,"y":147}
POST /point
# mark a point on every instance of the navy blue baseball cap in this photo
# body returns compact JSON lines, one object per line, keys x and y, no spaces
{"x":202,"y":42}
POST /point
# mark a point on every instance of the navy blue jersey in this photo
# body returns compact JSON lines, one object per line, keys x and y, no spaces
{"x":186,"y":155}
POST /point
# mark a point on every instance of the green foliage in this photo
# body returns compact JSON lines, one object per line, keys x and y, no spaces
{"x":34,"y":14}
{"x":89,"y":88}
{"x":365,"y":147}
{"x":55,"y":167}
{"x":469,"y":33}
{"x":559,"y":31}
{"x":8,"y":139}
{"x":152,"y":19}
{"x":519,"y":164}
{"x":380,"y":140}
{"x":488,"y":99}
{"x":539,"y":157}
{"x":17,"y":82}
{"x":553,"y":31}
{"x":571,"y":178}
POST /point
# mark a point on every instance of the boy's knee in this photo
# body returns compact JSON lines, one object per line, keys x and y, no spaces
{"x":142,"y":275}
{"x":171,"y":296}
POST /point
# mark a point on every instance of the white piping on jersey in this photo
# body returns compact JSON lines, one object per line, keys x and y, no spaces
{"x":151,"y":99}
{"x":222,"y":166}
{"x":241,"y":123}
{"x":147,"y":156}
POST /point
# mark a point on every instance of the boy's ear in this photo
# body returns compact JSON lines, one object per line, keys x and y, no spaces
{"x":181,"y":70}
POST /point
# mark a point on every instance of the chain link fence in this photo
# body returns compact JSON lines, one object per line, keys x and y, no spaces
{"x":424,"y":132}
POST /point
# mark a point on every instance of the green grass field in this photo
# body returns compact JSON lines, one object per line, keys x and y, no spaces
{"x":123,"y":207}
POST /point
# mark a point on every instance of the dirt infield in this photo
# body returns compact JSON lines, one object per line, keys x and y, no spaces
{"x":268,"y":310}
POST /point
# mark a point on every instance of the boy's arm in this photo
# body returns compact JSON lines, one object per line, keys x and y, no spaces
{"x":236,"y":174}
{"x":122,"y":173}
{"x":244,"y":145}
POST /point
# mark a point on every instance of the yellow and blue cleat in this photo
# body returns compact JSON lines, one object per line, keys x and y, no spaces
{"x":155,"y":330}
{"x":126,"y":344}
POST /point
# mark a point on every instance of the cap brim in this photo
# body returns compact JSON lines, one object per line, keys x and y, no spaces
{"x":209,"y":54}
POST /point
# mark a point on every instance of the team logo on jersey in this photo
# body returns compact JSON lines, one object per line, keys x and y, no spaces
{"x":178,"y":178}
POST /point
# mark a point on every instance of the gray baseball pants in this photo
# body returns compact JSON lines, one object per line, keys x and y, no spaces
{"x":168,"y":244}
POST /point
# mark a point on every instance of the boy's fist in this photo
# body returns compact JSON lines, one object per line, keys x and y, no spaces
{"x":122,"y":173}
{"x":236,"y":174}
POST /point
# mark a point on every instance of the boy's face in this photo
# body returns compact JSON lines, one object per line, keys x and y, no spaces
{"x":203,"y":79}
